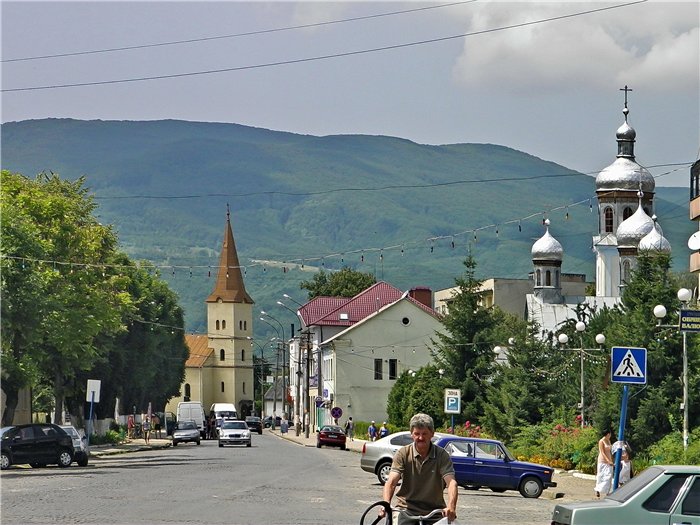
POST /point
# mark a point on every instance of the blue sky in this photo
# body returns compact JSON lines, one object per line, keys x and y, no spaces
{"x":550,"y":89}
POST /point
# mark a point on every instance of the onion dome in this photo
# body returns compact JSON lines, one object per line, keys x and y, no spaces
{"x":625,"y":173}
{"x":547,"y":247}
{"x":635,"y":227}
{"x":654,"y":241}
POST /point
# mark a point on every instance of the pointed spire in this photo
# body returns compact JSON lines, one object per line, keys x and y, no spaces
{"x":229,"y":285}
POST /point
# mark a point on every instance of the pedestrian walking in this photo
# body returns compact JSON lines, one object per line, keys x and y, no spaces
{"x":146,"y":427}
{"x":156,"y":425}
{"x":350,"y":429}
{"x":372,"y":432}
{"x":383,"y":431}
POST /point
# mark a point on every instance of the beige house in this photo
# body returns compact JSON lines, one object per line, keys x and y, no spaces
{"x":220,"y":365}
{"x":364,"y":344}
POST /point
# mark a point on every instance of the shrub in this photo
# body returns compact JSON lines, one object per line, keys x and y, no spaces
{"x":111,"y":437}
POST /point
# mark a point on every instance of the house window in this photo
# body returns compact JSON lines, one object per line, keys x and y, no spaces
{"x":378,"y":366}
{"x":243,"y":355}
{"x":217,"y":324}
{"x":222,"y":386}
{"x":392,"y":368}
{"x":608,"y":220}
{"x":187,"y":390}
{"x":223,"y":324}
{"x":222,"y":355}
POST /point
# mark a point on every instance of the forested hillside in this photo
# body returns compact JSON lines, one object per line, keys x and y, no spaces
{"x":406,"y":211}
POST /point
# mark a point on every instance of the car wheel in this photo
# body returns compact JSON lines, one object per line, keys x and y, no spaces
{"x":197,"y":442}
{"x":471,"y":487}
{"x":318,"y":444}
{"x":249,"y":444}
{"x":260,"y":432}
{"x":174,"y":443}
{"x":64,"y":459}
{"x":342,"y":447}
{"x":383,"y":471}
{"x":531,"y":487}
{"x":221,"y":445}
{"x":5,"y":461}
{"x":83,"y":462}
{"x":495,"y":489}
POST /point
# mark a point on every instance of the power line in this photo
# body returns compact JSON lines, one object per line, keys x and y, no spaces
{"x":377,"y":188}
{"x":319,"y":57}
{"x":234,"y":35}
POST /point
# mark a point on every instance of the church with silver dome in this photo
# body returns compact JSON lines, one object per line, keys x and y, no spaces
{"x":627,"y":226}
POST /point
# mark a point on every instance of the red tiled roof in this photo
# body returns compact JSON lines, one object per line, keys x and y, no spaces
{"x":198,"y":346}
{"x":337,"y":311}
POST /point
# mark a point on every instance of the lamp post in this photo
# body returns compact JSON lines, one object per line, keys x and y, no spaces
{"x":298,"y":361}
{"x":284,"y":361}
{"x":262,"y":372}
{"x":563,"y":339}
{"x":684,"y":295}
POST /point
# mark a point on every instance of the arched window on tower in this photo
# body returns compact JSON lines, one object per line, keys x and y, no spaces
{"x":222,"y":386}
{"x":222,"y":355}
{"x":244,"y":387}
{"x":538,"y":278}
{"x":627,"y":213}
{"x":217,"y":324}
{"x":223,"y":324}
{"x":548,"y":278}
{"x":608,"y":214}
{"x":240,"y":325}
{"x":556,"y":278}
{"x":245,"y":325}
{"x":243,"y":355}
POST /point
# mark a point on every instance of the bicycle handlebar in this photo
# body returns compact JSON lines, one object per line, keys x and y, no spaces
{"x":421,"y":518}
{"x":388,"y":510}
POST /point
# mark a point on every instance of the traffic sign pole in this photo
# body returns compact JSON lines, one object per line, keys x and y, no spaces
{"x":620,"y":435}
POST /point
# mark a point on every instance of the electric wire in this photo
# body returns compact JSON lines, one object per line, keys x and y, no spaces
{"x":319,"y":57}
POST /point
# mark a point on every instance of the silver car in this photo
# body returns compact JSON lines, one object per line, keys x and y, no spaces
{"x":79,"y":444}
{"x":659,"y":495}
{"x":186,"y":431}
{"x":234,"y":433}
{"x":378,"y":455}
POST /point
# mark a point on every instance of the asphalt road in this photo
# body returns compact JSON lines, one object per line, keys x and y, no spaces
{"x":274,"y":482}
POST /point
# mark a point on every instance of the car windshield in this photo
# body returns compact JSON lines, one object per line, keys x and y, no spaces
{"x":252,"y":419}
{"x":5,"y":429}
{"x":234,"y":424}
{"x":186,"y":425}
{"x":633,"y":486}
{"x":226,"y":414}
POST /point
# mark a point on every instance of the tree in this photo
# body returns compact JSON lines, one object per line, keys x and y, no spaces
{"x":464,"y":351}
{"x":343,"y":283}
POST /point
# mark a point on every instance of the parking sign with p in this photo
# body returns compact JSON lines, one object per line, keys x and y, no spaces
{"x":453,"y":401}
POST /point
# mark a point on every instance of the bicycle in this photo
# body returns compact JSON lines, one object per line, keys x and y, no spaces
{"x":388,"y":514}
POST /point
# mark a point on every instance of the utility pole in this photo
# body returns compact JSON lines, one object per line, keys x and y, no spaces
{"x":307,"y":408}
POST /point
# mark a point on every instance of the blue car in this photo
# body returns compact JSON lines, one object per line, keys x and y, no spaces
{"x":488,"y":463}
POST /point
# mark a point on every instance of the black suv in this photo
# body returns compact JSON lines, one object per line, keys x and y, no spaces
{"x":254,"y":423}
{"x":36,"y":444}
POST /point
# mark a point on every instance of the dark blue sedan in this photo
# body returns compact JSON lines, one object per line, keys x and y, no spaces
{"x":488,"y":463}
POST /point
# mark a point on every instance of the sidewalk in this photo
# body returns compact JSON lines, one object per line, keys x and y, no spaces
{"x":130,"y":445}
{"x":301,"y":439}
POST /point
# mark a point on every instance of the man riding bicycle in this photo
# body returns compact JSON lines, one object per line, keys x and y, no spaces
{"x":425,"y":470}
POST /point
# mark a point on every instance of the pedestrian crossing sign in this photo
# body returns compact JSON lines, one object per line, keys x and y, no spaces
{"x":629,"y":365}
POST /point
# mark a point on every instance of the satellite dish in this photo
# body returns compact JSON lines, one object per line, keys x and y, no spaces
{"x":694,"y":241}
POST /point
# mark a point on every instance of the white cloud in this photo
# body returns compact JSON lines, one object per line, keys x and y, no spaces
{"x":652,"y":43}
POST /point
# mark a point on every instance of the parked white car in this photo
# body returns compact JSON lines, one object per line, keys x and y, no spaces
{"x":234,"y":433}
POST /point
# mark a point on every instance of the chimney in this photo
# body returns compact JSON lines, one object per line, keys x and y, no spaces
{"x":422,"y":294}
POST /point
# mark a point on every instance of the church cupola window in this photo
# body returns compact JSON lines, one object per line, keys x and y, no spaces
{"x":223,"y":324}
{"x":608,"y":220}
{"x":538,"y":278}
{"x":222,"y":355}
{"x":627,"y":213}
{"x":217,"y":325}
{"x":548,"y":278}
{"x":626,"y":271}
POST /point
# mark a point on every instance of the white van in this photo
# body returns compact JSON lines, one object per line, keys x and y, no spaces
{"x":194,"y":411}
{"x":222,"y":411}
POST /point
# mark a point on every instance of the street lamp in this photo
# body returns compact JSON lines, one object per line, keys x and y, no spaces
{"x":563,"y":339}
{"x":262,"y":372}
{"x":291,"y":299}
{"x":684,"y":295}
{"x":285,"y":379}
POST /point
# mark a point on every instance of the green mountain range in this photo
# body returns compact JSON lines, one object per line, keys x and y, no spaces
{"x":407,"y":212}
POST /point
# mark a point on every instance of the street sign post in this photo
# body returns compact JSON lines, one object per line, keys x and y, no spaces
{"x":629,"y":365}
{"x":453,"y":404}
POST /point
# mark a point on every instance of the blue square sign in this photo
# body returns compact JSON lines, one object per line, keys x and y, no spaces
{"x":629,"y":365}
